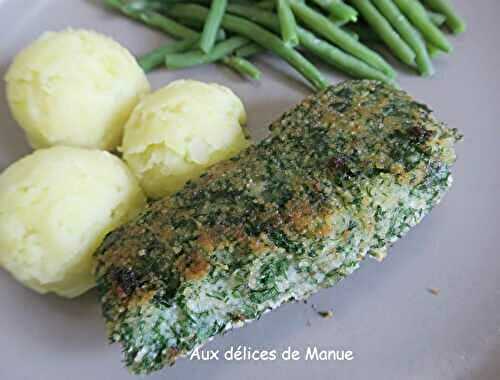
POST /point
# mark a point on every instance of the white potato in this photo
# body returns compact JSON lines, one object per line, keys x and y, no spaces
{"x":76,"y":88}
{"x":56,"y":206}
{"x":174,"y":134}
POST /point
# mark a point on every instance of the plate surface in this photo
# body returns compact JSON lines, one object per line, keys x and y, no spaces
{"x":384,"y":313}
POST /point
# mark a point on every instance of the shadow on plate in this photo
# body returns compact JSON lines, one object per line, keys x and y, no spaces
{"x":13,"y":144}
{"x":66,"y":325}
{"x":489,"y":369}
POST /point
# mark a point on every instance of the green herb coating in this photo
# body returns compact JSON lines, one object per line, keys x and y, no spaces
{"x":342,"y":176}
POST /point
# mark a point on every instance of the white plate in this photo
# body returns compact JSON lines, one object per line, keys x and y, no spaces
{"x":383,"y":313}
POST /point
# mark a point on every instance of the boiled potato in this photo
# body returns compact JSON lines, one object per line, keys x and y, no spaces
{"x":177,"y":132}
{"x":56,"y":206}
{"x":75,"y":88}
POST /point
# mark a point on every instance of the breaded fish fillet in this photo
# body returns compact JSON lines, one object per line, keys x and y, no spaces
{"x":342,"y":176}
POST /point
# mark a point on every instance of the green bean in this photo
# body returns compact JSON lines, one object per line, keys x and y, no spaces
{"x":437,"y":19}
{"x":269,"y":5}
{"x":325,"y":4}
{"x":154,"y":19}
{"x":194,"y":24}
{"x":385,"y":31}
{"x":364,"y":33}
{"x":433,"y":51}
{"x":337,"y":58}
{"x":417,"y":14}
{"x":198,"y":25}
{"x":260,"y":16}
{"x":409,"y":34}
{"x":288,"y":25}
{"x":212,"y":25}
{"x":165,"y":24}
{"x":453,"y":20}
{"x":261,"y":36}
{"x":338,"y":21}
{"x":249,"y":50}
{"x":338,"y":9}
{"x":343,"y":11}
{"x":155,"y":58}
{"x":242,"y":66}
{"x":196,"y":57}
{"x":142,"y":5}
{"x":324,"y":27}
{"x":327,"y":52}
{"x":352,"y":33}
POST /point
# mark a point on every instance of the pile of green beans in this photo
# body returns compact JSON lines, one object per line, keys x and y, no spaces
{"x":342,"y":34}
